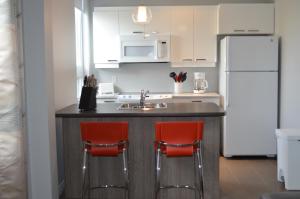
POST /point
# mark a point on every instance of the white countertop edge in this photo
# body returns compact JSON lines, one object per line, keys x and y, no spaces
{"x":174,"y":95}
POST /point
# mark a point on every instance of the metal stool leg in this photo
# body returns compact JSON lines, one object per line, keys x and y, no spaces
{"x":125,"y":171}
{"x":200,"y":167}
{"x":157,"y":173}
{"x":88,"y":170}
{"x":84,"y":167}
{"x":195,"y":175}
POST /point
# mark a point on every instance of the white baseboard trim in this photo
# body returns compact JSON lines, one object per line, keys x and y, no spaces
{"x":61,"y":187}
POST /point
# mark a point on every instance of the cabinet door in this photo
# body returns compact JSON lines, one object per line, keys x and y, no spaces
{"x":246,"y":19}
{"x":182,"y":27}
{"x":215,"y":100}
{"x":127,"y":26}
{"x":260,"y":18}
{"x":106,"y":42}
{"x":161,"y":20}
{"x":205,"y":35}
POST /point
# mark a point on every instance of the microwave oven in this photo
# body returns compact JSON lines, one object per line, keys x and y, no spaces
{"x":145,"y":48}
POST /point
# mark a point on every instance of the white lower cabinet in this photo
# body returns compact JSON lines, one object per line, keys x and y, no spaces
{"x":215,"y":100}
{"x":196,"y":98}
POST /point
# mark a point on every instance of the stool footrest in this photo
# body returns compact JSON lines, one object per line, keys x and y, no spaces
{"x":178,"y":187}
{"x":109,"y":187}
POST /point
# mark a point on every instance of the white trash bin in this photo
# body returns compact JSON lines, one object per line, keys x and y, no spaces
{"x":288,"y":157}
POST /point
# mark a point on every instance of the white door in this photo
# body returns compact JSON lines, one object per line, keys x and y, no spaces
{"x":205,"y":34}
{"x":246,"y":18}
{"x":252,"y":53}
{"x":161,"y":20}
{"x":126,"y":24}
{"x":182,"y":36}
{"x":106,"y":40}
{"x":251,"y":113}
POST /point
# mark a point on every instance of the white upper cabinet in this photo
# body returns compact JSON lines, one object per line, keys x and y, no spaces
{"x":182,"y":34}
{"x":127,"y":26}
{"x":193,"y":32}
{"x":106,"y":39}
{"x":161,"y":20}
{"x":205,"y":35}
{"x":246,"y":19}
{"x":194,"y":36}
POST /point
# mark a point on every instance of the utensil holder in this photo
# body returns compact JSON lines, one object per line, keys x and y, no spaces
{"x":178,"y":87}
{"x":88,"y":99}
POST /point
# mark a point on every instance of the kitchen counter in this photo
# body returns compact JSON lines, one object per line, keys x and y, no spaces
{"x":196,"y":95}
{"x":141,"y":151}
{"x":186,"y":94}
{"x":173,"y":109}
{"x":164,"y":97}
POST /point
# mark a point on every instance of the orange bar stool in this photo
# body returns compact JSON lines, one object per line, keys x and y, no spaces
{"x":105,"y":139}
{"x":177,"y":139}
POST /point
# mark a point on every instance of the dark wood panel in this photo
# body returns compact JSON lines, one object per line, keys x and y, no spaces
{"x":141,"y":161}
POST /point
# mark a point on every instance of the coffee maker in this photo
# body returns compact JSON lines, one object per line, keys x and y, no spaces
{"x":200,"y":83}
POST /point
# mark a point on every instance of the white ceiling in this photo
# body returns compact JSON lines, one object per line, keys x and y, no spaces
{"x":171,"y":2}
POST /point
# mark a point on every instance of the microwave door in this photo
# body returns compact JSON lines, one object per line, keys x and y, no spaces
{"x":138,"y":51}
{"x":161,"y":49}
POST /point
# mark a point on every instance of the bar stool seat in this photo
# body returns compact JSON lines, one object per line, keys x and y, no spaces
{"x":178,"y":139}
{"x":105,"y":139}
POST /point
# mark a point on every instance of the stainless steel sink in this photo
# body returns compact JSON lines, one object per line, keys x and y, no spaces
{"x":147,"y":106}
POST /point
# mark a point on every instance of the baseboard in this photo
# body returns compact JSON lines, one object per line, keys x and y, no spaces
{"x":61,"y":187}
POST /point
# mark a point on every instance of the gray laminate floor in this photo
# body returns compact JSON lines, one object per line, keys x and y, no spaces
{"x":248,"y":178}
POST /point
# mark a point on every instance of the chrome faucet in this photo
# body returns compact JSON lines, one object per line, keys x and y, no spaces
{"x":143,"y":97}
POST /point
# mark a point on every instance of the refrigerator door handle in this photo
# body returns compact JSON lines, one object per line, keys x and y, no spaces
{"x":227,"y":90}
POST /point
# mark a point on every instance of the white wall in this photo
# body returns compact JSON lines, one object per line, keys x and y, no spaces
{"x":64,"y":60}
{"x":40,"y":113}
{"x":288,"y":27}
{"x":64,"y":66}
{"x":50,"y":84}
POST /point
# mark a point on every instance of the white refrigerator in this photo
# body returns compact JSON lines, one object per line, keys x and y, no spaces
{"x":249,"y":89}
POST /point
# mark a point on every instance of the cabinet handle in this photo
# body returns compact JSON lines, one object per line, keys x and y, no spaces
{"x":253,"y":30}
{"x":112,"y":60}
{"x":186,"y":60}
{"x":201,"y":59}
{"x":137,"y":32}
{"x":238,"y":30}
{"x":197,"y":101}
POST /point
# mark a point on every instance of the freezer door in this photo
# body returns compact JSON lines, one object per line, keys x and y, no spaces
{"x":251,"y":114}
{"x":252,"y":53}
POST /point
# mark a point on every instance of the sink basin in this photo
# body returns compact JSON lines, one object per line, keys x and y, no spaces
{"x":147,"y":106}
{"x":135,"y":98}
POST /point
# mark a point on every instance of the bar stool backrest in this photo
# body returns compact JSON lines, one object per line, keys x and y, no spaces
{"x":98,"y":134}
{"x":185,"y":133}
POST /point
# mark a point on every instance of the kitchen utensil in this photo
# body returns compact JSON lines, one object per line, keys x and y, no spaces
{"x":181,"y":77}
{"x":85,"y":81}
{"x":184,"y":76}
{"x":173,"y":75}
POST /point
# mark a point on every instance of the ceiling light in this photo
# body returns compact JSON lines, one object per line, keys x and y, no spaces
{"x":142,"y":15}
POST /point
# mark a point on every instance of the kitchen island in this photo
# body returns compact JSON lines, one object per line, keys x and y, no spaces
{"x":108,"y":170}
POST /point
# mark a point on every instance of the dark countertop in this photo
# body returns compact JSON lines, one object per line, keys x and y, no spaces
{"x":202,"y":109}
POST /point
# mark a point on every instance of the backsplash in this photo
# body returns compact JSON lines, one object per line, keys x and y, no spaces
{"x":153,"y":76}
